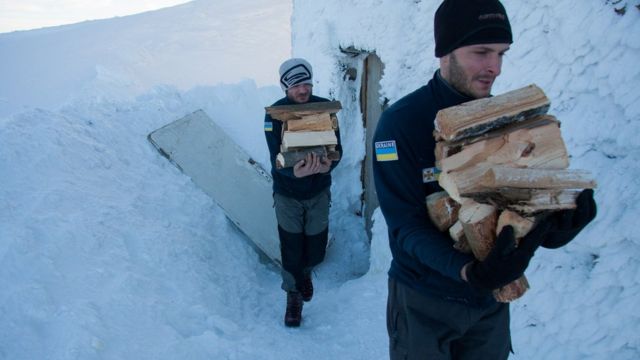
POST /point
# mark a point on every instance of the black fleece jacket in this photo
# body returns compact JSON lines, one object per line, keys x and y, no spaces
{"x":284,"y":182}
{"x":423,"y":257}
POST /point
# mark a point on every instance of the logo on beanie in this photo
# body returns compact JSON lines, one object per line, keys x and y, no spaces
{"x":496,"y":16}
{"x":296,"y":75}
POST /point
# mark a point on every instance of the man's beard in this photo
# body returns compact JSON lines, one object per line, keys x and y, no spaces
{"x":459,"y":79}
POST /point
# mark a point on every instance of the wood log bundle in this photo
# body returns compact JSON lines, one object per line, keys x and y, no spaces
{"x":307,"y":128}
{"x":503,"y":162}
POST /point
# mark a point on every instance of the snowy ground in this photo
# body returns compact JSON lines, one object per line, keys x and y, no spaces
{"x":107,"y":251}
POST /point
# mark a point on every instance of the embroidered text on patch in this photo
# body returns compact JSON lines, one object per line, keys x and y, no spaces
{"x":430,"y":174}
{"x":386,"y":150}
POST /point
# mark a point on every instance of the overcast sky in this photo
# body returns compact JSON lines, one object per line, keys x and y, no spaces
{"x":32,"y":14}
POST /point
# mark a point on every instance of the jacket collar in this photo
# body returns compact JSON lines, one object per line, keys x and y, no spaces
{"x":446,"y":95}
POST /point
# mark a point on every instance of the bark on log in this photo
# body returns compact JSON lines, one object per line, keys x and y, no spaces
{"x":512,"y":290}
{"x":442,"y":209}
{"x":477,"y":117}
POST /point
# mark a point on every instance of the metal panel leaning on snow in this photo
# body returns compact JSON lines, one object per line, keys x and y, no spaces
{"x":216,"y":164}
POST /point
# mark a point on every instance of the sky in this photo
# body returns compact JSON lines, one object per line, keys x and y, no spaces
{"x":109,"y":251}
{"x":34,"y":14}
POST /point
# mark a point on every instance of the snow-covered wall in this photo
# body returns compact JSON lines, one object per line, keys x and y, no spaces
{"x":585,"y":56}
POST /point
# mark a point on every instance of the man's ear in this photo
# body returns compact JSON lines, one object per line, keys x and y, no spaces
{"x":444,"y":66}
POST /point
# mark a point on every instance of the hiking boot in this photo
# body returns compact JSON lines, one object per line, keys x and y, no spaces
{"x":293,"y":315}
{"x":306,"y":289}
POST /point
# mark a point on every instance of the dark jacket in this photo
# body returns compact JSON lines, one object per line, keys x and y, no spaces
{"x":423,"y":257}
{"x":284,"y":182}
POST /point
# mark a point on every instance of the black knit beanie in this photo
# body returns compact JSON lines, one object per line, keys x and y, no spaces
{"x":460,"y":23}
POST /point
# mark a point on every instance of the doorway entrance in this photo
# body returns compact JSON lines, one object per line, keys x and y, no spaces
{"x":371,"y":107}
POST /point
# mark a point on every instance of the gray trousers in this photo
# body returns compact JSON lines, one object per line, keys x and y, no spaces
{"x":303,"y":230}
{"x":431,"y":328}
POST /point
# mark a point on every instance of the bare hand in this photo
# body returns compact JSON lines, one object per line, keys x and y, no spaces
{"x":312,"y":164}
{"x":325,"y":165}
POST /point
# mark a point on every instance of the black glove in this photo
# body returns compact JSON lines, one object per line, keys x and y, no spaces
{"x":506,"y":262}
{"x":566,"y":224}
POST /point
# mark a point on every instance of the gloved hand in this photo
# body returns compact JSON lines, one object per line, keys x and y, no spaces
{"x":566,"y":224}
{"x":506,"y":262}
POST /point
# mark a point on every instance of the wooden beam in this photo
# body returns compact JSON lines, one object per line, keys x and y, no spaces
{"x":479,"y":179}
{"x":477,"y":117}
{"x":308,"y":138}
{"x":297,"y":111}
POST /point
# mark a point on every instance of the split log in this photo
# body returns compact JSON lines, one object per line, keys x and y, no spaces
{"x":316,"y":122}
{"x":445,"y":149}
{"x":527,"y":147}
{"x":545,"y":200}
{"x":479,"y":116}
{"x":529,"y":201}
{"x":521,"y":225}
{"x":512,"y":290}
{"x":504,"y":153}
{"x":479,"y":222}
{"x":482,"y":179}
{"x":296,"y":139}
{"x":460,"y":242}
{"x":290,"y":158}
{"x":442,"y":209}
{"x":297,"y":111}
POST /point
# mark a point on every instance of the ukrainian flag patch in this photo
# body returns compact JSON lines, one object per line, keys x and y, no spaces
{"x":268,"y":126}
{"x":386,"y":150}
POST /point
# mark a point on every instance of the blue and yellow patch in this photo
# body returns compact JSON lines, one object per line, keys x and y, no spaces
{"x":268,"y":126}
{"x":386,"y":150}
{"x":430,"y":174}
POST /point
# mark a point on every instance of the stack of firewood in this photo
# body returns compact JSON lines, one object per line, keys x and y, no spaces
{"x":502,"y":162}
{"x":307,"y":128}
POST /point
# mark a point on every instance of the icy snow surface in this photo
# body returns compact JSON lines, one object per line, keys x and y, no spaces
{"x":107,"y":251}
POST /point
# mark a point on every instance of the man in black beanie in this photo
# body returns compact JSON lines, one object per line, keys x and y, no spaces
{"x":440,"y":303}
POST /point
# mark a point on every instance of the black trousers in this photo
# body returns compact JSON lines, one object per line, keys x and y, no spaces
{"x":431,"y":328}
